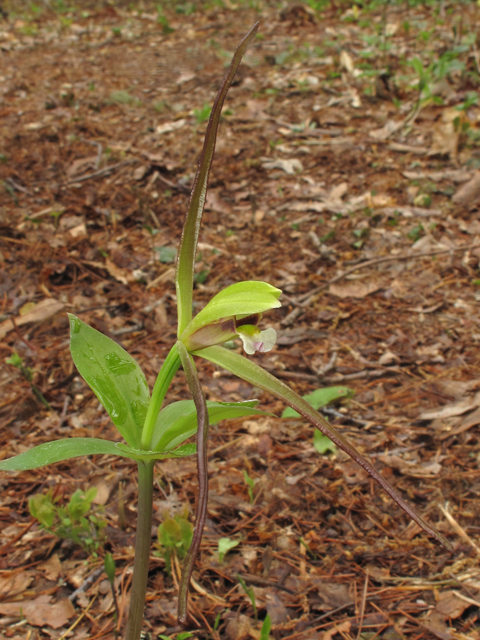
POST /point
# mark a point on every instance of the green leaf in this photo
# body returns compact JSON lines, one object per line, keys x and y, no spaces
{"x":166,"y":254}
{"x":191,"y":229}
{"x":252,"y":373}
{"x":266,"y":626}
{"x":109,"y":566}
{"x":113,"y":375}
{"x":68,"y":448}
{"x":225,"y":545}
{"x":189,"y":449}
{"x":322,"y":444}
{"x":320,"y":398}
{"x":178,"y":421}
{"x":57,"y":451}
{"x":239,"y":299}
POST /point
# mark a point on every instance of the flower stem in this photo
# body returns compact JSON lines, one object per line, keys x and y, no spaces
{"x":142,"y":550}
{"x":169,"y":369}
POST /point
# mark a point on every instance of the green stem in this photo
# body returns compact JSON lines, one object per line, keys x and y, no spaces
{"x":164,"y":378}
{"x":142,"y":550}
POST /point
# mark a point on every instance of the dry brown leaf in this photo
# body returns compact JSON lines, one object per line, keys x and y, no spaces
{"x":41,"y":612}
{"x":341,"y":629}
{"x":354,"y":289}
{"x":410,"y":468}
{"x":469,"y":194}
{"x":52,"y":567}
{"x":42,"y":311}
{"x":122,"y":275}
{"x":449,"y":410}
{"x":446,"y":134}
{"x":239,"y":628}
{"x":436,"y":624}
{"x":450,"y":606}
{"x":13,"y":585}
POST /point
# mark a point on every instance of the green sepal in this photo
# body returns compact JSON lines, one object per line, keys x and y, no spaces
{"x":113,"y":375}
{"x":239,"y":299}
{"x":252,"y":373}
{"x":178,"y":420}
{"x":191,"y":229}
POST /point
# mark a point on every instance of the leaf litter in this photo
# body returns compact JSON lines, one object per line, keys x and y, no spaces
{"x":375,"y":242}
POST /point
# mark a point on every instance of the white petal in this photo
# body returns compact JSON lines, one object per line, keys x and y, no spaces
{"x":256,"y":340}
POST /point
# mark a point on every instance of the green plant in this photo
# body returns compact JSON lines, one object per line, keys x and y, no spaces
{"x":265,"y":630}
{"x":318,"y":399}
{"x":250,"y":482}
{"x":224,"y":546}
{"x":16,"y":361}
{"x":174,"y":538}
{"x":202,"y":114}
{"x":77,"y":521}
{"x":251,"y":595}
{"x":154,"y":433}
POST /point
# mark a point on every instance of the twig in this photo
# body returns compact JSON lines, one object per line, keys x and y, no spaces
{"x":99,"y":150}
{"x":100,"y":172}
{"x":86,"y":583}
{"x":460,"y":530}
{"x":362,"y":608}
{"x":306,"y":298}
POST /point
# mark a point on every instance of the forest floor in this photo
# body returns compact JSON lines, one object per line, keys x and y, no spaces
{"x":338,"y":179}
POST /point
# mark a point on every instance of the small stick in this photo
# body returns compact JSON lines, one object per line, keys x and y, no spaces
{"x":460,"y":530}
{"x":306,"y":298}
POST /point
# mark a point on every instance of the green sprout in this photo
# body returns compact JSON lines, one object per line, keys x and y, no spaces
{"x":154,"y":431}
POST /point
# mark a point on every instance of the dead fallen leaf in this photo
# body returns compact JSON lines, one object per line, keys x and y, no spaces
{"x":52,"y":567}
{"x":40,"y":612}
{"x":450,"y":606}
{"x":449,"y":410}
{"x":469,"y":194}
{"x":289,"y":166}
{"x":42,"y":311}
{"x":446,"y":134}
{"x":13,"y":585}
{"x":167,"y":127}
{"x":436,"y":624}
{"x":122,"y":275}
{"x":411,"y":468}
{"x":340,"y":629}
{"x":354,"y":289}
{"x":239,"y":628}
{"x":455,"y":175}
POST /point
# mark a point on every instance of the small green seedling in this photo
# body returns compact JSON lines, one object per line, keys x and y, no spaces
{"x":265,"y":630}
{"x":16,"y":361}
{"x":110,"y":567}
{"x":250,"y":482}
{"x":251,"y":595}
{"x":77,"y":521}
{"x":225,"y":545}
{"x":203,"y":114}
{"x":174,"y":538}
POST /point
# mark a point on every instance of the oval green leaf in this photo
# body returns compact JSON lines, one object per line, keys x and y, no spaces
{"x":178,"y":421}
{"x":59,"y":450}
{"x":113,"y":375}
